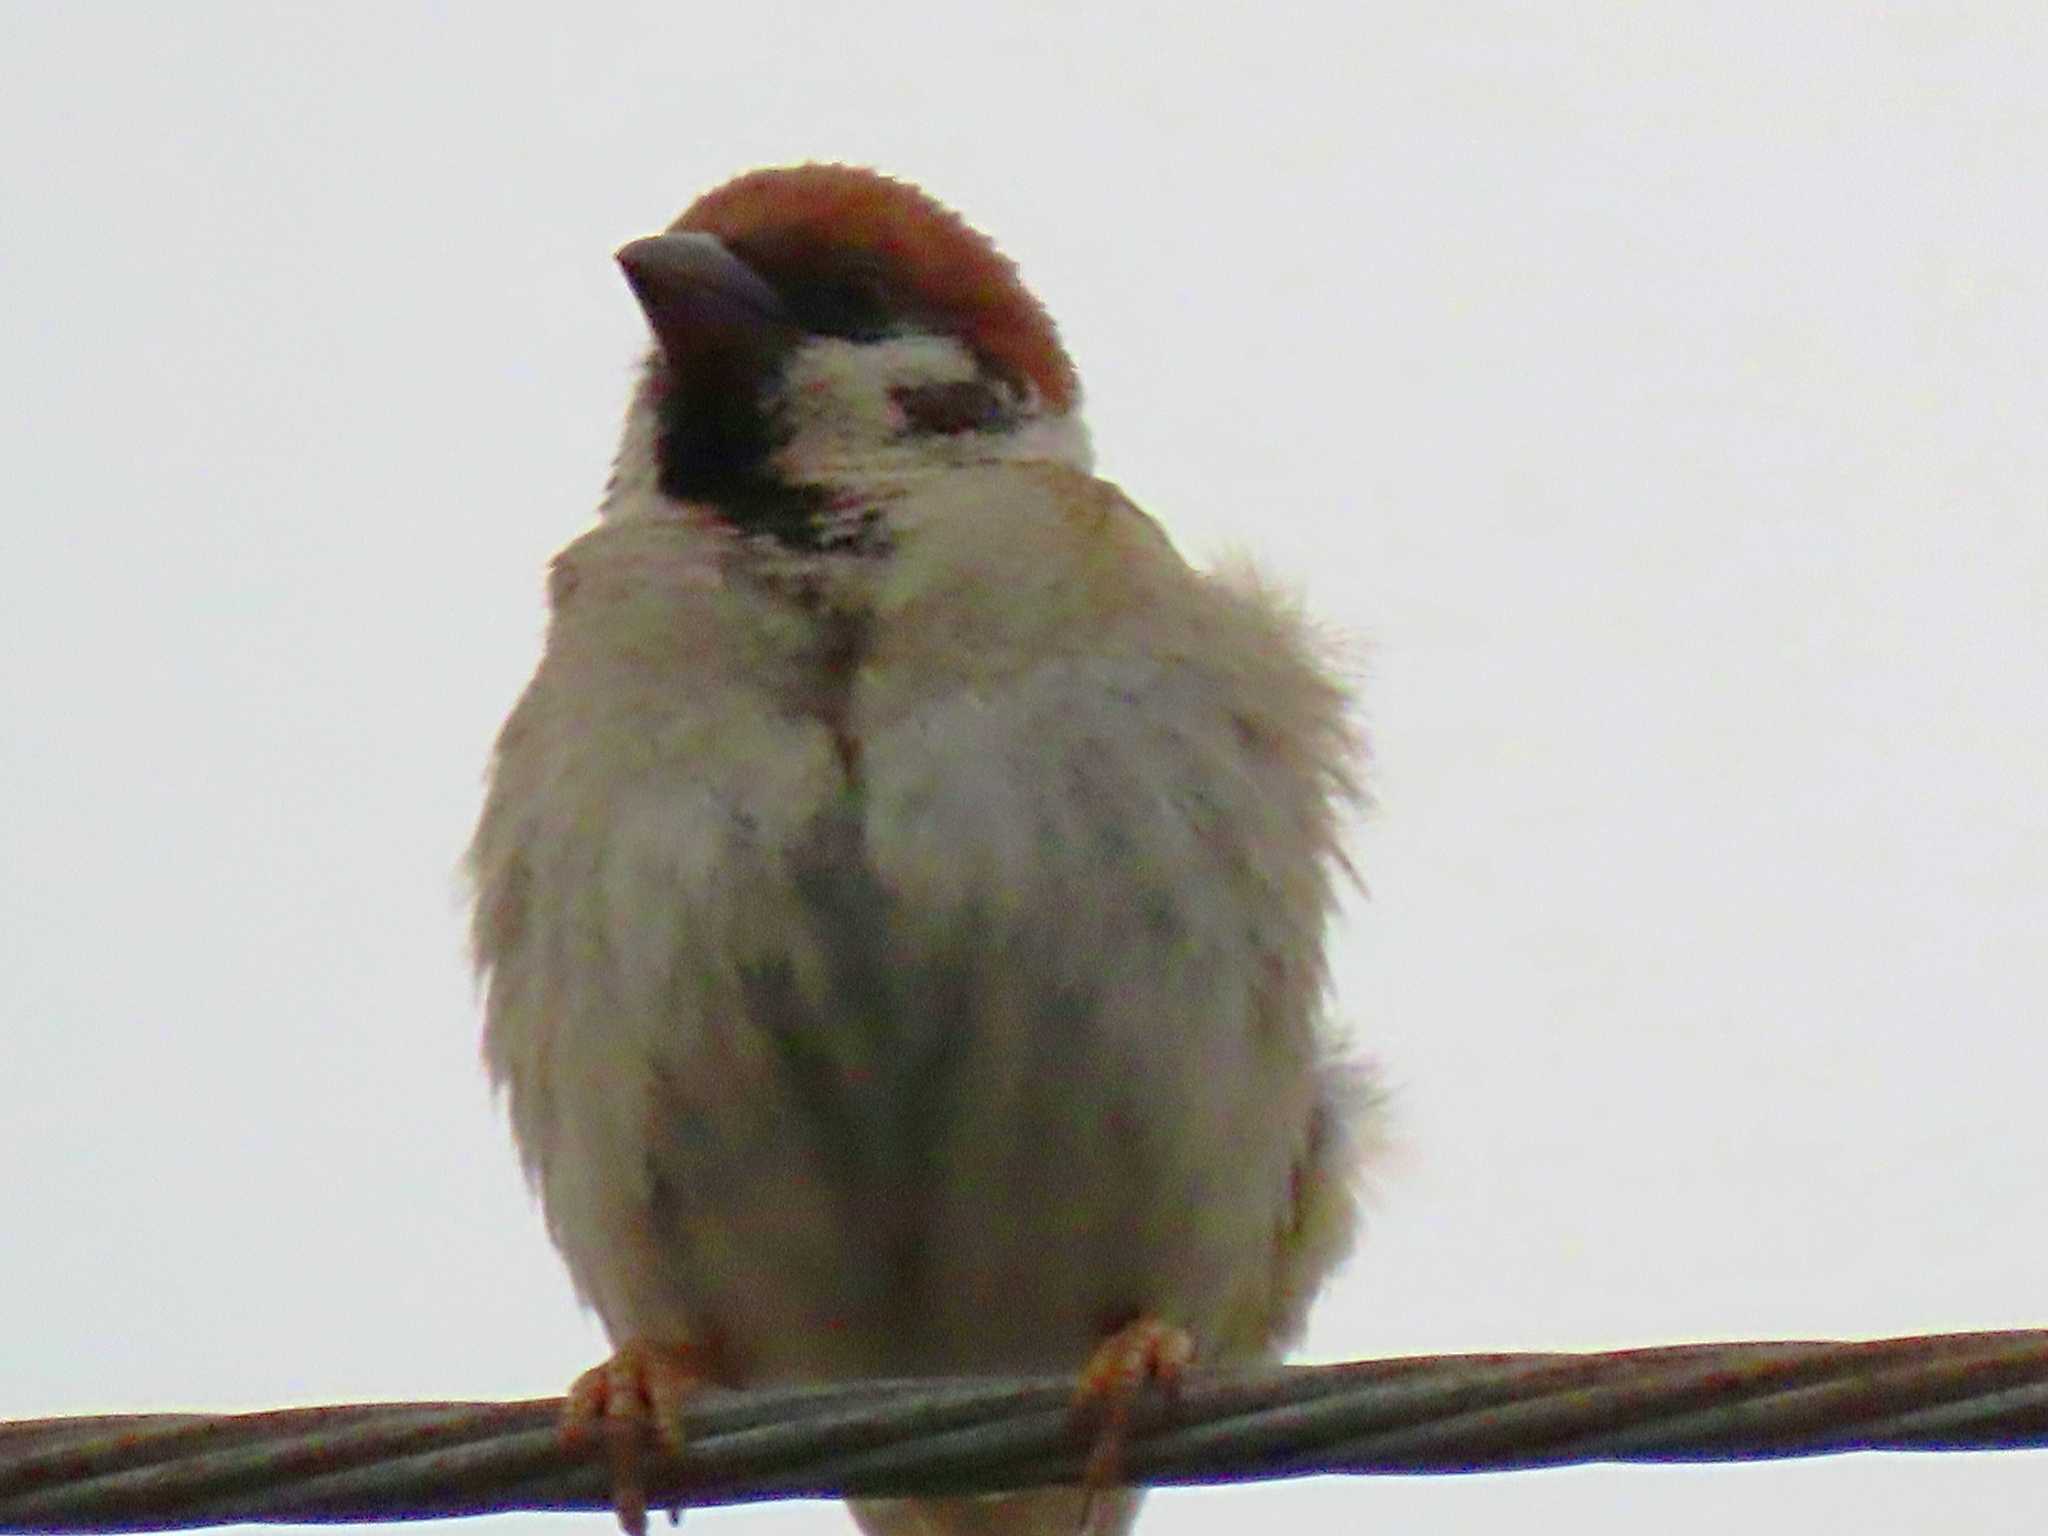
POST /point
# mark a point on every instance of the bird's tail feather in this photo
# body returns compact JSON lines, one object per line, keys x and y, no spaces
{"x":1036,"y":1512}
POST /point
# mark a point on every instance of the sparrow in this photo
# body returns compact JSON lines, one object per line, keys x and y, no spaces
{"x":901,"y":892}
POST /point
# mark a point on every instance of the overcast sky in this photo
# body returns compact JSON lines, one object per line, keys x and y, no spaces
{"x":1657,"y":390}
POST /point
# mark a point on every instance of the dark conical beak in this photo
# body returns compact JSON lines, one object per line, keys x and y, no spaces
{"x":697,"y":295}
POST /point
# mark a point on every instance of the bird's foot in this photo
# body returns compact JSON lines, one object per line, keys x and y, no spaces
{"x":1142,"y":1353}
{"x":634,"y":1402}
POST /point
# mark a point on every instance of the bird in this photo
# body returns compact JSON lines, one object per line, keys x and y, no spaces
{"x":901,"y":894}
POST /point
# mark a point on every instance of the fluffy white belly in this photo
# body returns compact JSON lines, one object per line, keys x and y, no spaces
{"x":946,"y":1062}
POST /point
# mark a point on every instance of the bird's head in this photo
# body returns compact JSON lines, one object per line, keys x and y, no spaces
{"x":823,"y":336}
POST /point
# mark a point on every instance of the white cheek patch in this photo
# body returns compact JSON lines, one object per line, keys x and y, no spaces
{"x":1060,"y":439}
{"x":843,"y":427}
{"x":843,"y":391}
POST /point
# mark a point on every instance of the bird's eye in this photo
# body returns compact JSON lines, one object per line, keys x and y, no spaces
{"x":854,"y":303}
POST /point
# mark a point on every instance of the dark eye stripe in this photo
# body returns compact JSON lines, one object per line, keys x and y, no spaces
{"x":968,"y":405}
{"x":854,"y":307}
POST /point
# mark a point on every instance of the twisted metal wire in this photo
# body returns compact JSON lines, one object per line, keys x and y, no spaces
{"x":1440,"y":1414}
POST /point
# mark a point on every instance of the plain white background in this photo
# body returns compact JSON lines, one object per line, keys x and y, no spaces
{"x":1657,"y":390}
